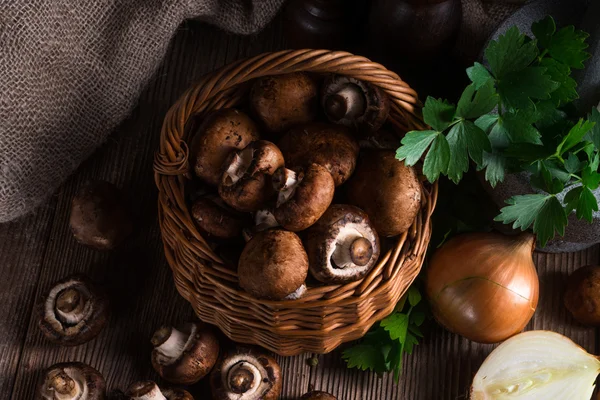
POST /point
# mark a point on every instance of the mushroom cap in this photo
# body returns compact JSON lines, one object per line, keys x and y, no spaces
{"x":318,"y":395}
{"x":220,"y":133}
{"x":73,"y":311}
{"x":246,"y":180}
{"x":331,"y":146}
{"x":150,"y":390}
{"x":217,"y":219}
{"x":87,"y":381}
{"x":273,"y":264}
{"x":380,"y":140}
{"x":387,"y":190}
{"x":99,"y":218}
{"x":177,"y":394}
{"x":376,"y":104}
{"x":192,"y":351}
{"x":281,"y":101}
{"x":311,"y":197}
{"x":254,"y":375}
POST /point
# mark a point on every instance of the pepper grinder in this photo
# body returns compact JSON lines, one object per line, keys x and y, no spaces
{"x":323,"y":24}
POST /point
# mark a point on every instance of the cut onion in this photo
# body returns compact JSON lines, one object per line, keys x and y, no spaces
{"x":536,"y":365}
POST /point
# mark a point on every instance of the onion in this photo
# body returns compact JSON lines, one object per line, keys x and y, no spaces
{"x":484,"y":286}
{"x":536,"y":365}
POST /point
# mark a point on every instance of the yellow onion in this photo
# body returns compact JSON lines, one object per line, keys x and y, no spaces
{"x":536,"y":365}
{"x":484,"y":286}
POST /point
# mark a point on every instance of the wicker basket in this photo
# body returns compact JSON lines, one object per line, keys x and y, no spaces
{"x":327,"y":315}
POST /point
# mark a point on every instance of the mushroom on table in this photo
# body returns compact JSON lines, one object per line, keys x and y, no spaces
{"x":72,"y":381}
{"x":318,"y":395}
{"x":148,"y":390}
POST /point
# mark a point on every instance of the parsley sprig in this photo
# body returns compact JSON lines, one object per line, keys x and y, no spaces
{"x":512,"y":118}
{"x":383,"y":347}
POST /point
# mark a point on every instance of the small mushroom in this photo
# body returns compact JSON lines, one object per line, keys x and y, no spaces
{"x":221,"y":133}
{"x":281,"y":101}
{"x":342,"y":246}
{"x":186,"y":355}
{"x":148,"y":390}
{"x":246,"y":180}
{"x":273,"y":264}
{"x":246,"y":374}
{"x":387,"y":190}
{"x":99,"y":218}
{"x":318,"y":395}
{"x":331,"y":146}
{"x":354,"y":103}
{"x":72,"y":381}
{"x":304,"y":195}
{"x":217,"y":219}
{"x":73,"y":311}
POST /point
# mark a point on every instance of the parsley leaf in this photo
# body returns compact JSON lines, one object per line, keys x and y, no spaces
{"x":572,"y":164}
{"x":397,"y":326}
{"x":364,"y":357}
{"x":484,"y":101}
{"x":465,"y":137}
{"x":494,"y":165}
{"x":478,"y":74}
{"x":594,"y":134}
{"x":510,"y":53}
{"x":438,"y":113}
{"x":560,"y":73}
{"x":586,"y":203}
{"x":574,"y":136}
{"x":517,"y":125}
{"x":517,"y":88}
{"x":568,"y":46}
{"x":414,"y":297}
{"x":414,"y":144}
{"x":437,"y":159}
{"x":552,"y":218}
{"x":543,"y":31}
{"x":590,"y":178}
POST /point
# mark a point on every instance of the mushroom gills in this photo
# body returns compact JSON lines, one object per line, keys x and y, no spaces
{"x":170,"y":343}
{"x":348,"y":103}
{"x":352,"y":250}
{"x":285,"y":181}
{"x":239,"y":165}
{"x":68,"y":304}
{"x":245,"y":380}
{"x":68,"y":384}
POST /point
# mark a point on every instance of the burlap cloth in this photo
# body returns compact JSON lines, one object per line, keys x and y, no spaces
{"x":70,"y":71}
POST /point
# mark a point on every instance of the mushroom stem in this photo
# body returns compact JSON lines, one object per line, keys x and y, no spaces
{"x":285,"y":182}
{"x":264,"y":219}
{"x":65,"y":387}
{"x":352,"y":249}
{"x":169,"y":343}
{"x":70,"y":306}
{"x":349,"y":102}
{"x":243,"y":378}
{"x":298,"y":293}
{"x":146,"y":390}
{"x":239,"y":165}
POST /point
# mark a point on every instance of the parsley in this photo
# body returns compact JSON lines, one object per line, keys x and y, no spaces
{"x":383,"y":347}
{"x":511,"y":119}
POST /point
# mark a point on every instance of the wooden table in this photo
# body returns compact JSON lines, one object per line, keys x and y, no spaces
{"x":39,"y":249}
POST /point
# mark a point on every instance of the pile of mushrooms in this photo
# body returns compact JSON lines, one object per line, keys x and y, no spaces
{"x":309,"y":197}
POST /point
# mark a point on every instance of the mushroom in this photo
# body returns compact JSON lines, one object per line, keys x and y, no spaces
{"x":72,"y":381}
{"x":273,"y":264}
{"x":245,"y":183}
{"x":246,"y":374}
{"x":148,"y":390}
{"x":342,"y":246}
{"x":221,"y":133}
{"x":217,"y":219}
{"x":73,"y":311}
{"x":186,"y":355}
{"x":331,"y":146}
{"x":304,"y":195}
{"x":354,"y":103}
{"x":318,"y":395}
{"x":281,"y":101}
{"x":99,"y":218}
{"x":380,"y":140}
{"x":264,"y":219}
{"x":387,"y":190}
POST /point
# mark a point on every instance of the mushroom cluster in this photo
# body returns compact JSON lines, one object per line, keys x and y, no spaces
{"x":310,"y":191}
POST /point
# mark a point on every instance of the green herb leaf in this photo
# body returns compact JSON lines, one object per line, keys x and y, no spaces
{"x":414,"y":296}
{"x":551,"y":219}
{"x":517,"y":125}
{"x":414,"y":144}
{"x":560,"y":73}
{"x":572,"y":199}
{"x":438,"y":113}
{"x":437,"y":159}
{"x":517,"y":88}
{"x":587,"y":205}
{"x":417,"y":318}
{"x":594,"y":134}
{"x":572,"y":164}
{"x":590,"y":178}
{"x":574,"y":136}
{"x":484,"y":100}
{"x":465,"y":138}
{"x":543,"y":31}
{"x":522,"y":210}
{"x":485,"y":122}
{"x":510,"y":53}
{"x":568,"y":46}
{"x":478,"y":74}
{"x":397,"y":326}
{"x":363,"y":356}
{"x":495,"y":165}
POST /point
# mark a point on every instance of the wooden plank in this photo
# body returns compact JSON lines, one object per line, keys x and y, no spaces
{"x":444,"y":364}
{"x":138,"y":278}
{"x":22,"y":247}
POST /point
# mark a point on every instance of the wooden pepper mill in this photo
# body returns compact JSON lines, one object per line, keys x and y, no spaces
{"x":323,"y":24}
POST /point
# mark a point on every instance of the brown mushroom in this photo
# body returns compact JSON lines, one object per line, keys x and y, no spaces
{"x":331,"y":146}
{"x":281,"y":101}
{"x":99,"y":218}
{"x":73,"y":311}
{"x":318,"y":395}
{"x":582,"y":297}
{"x":217,"y":219}
{"x":387,"y":190}
{"x":185,"y":355}
{"x":342,"y":246}
{"x":221,"y":133}
{"x":72,"y":381}
{"x":380,"y":140}
{"x":304,"y":195}
{"x":148,"y":390}
{"x":273,"y":264}
{"x":246,"y":181}
{"x":246,"y":374}
{"x":354,"y":103}
{"x":264,"y":219}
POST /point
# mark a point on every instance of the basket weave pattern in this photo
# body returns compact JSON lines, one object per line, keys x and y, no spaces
{"x":327,"y":315}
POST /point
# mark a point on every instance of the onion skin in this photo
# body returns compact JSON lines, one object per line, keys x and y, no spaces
{"x":484,"y":286}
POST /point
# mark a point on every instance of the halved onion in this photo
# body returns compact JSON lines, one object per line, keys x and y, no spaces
{"x":536,"y":365}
